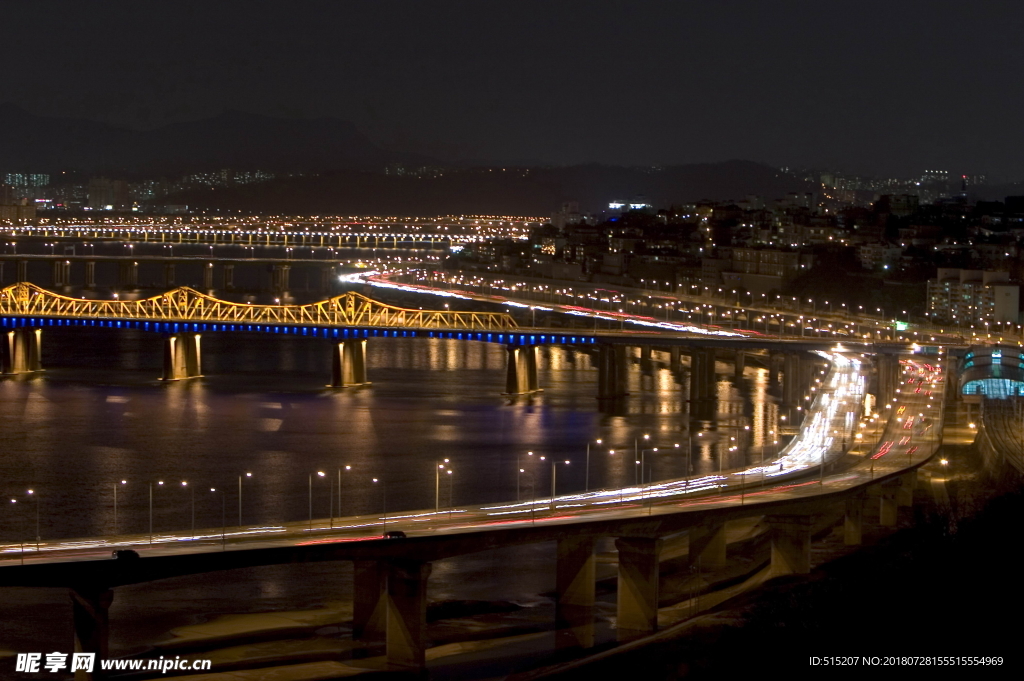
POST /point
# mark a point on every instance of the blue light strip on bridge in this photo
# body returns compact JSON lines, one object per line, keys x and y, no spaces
{"x":314,"y":331}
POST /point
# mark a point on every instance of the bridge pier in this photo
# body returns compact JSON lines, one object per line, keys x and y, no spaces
{"x":612,"y":366}
{"x":905,"y":491}
{"x":407,"y":614}
{"x":637,"y":599}
{"x":707,"y":545}
{"x":168,"y":275}
{"x":853,"y":523}
{"x":90,"y":612}
{"x":521,"y":370}
{"x":182,"y":358}
{"x":61,"y":273}
{"x":281,"y":276}
{"x":791,"y":544}
{"x":326,"y":278}
{"x":673,"y":358}
{"x":208,"y":277}
{"x":887,"y":506}
{"x":90,"y":274}
{"x":21,"y":351}
{"x":369,"y":601}
{"x":703,"y":383}
{"x":348,"y":363}
{"x":575,"y":581}
{"x":128,"y":274}
{"x":229,"y":276}
{"x":22,"y":270}
{"x":739,"y":364}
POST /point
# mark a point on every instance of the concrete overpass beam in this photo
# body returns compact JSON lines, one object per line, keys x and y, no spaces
{"x":369,"y":601}
{"x":853,"y":522}
{"x":575,"y":580}
{"x":791,"y":544}
{"x":707,"y":545}
{"x":637,"y":602}
{"x":407,"y":614}
{"x":90,"y":612}
{"x":348,"y":363}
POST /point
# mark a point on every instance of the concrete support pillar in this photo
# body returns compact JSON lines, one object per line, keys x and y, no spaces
{"x":128,"y":274}
{"x":739,"y":364}
{"x":887,"y":505}
{"x":326,"y":278}
{"x":774,"y":367}
{"x":673,"y":358}
{"x":853,"y":524}
{"x":637,"y":606}
{"x":369,"y":601}
{"x":575,"y":580}
{"x":407,"y":614}
{"x":208,"y":277}
{"x":61,"y":273}
{"x":521,"y":370}
{"x":182,"y":357}
{"x":791,"y":544}
{"x":20,"y":352}
{"x":905,"y":491}
{"x":22,"y":270}
{"x":612,"y":367}
{"x":281,"y":277}
{"x":707,"y":545}
{"x":229,"y":276}
{"x":90,"y":274}
{"x":348,"y":363}
{"x":90,"y":612}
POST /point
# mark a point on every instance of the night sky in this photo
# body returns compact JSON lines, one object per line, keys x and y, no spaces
{"x":881,"y":87}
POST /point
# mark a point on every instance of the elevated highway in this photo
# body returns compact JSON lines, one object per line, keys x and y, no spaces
{"x":392,"y":574}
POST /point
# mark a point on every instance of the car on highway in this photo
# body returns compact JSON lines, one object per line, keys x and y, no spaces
{"x":394,"y":534}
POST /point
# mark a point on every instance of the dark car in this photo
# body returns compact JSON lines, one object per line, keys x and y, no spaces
{"x":394,"y":534}
{"x":125,"y":554}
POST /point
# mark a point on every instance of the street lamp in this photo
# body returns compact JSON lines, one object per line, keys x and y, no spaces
{"x":438,"y":467}
{"x":554,"y":470}
{"x":192,"y":494}
{"x":384,"y":493}
{"x":320,"y":474}
{"x":35,"y":500}
{"x":248,"y":475}
{"x":159,"y":482}
{"x":123,"y":482}
{"x":519,"y":467}
{"x":223,"y":519}
{"x":587,"y":481}
{"x":636,"y":453}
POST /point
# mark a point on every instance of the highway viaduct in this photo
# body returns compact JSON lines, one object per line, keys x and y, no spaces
{"x":391,"y":575}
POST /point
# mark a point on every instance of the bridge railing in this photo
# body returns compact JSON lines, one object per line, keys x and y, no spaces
{"x":188,"y":305}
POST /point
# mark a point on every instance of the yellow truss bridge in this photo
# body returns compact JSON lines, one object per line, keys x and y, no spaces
{"x":185,"y":304}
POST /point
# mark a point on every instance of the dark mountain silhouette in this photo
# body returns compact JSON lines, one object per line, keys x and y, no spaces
{"x":231,"y":140}
{"x":496,"y":192}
